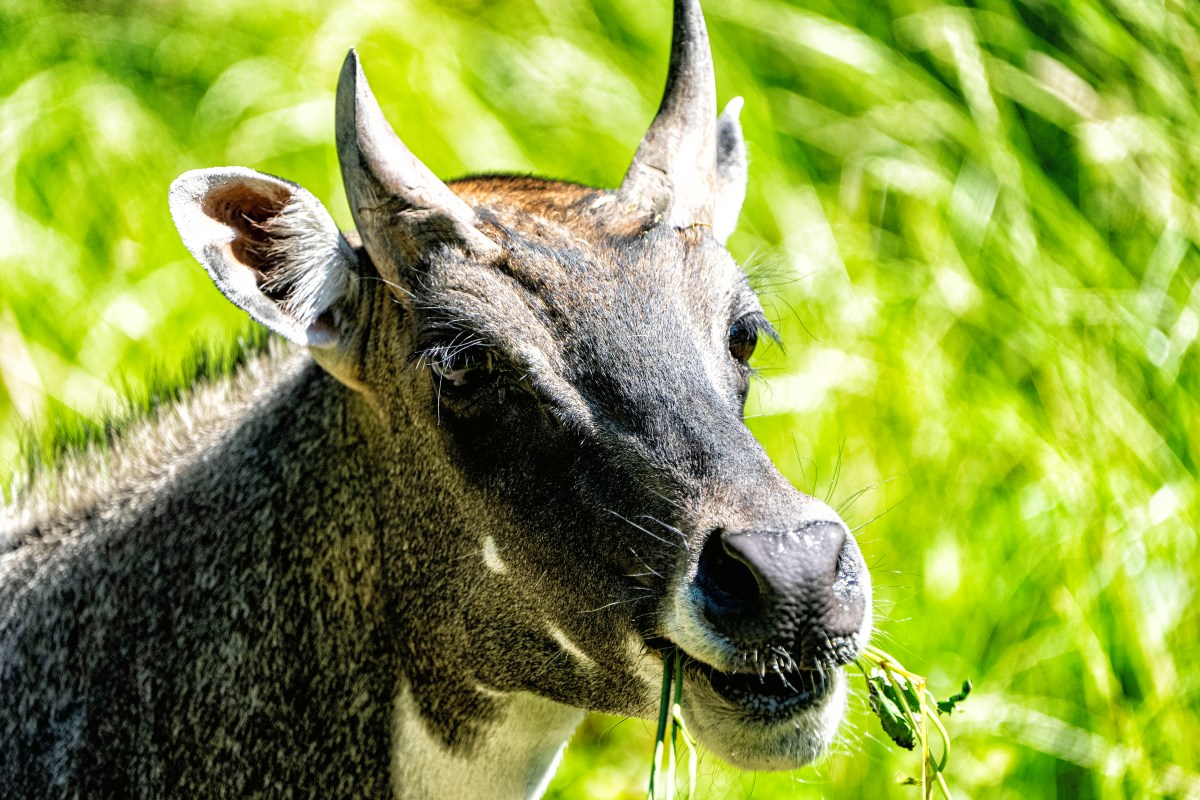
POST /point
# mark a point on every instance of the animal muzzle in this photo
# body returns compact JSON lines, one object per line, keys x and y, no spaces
{"x":797,"y":598}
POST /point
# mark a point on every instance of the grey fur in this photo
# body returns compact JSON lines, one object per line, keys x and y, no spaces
{"x":335,"y":574}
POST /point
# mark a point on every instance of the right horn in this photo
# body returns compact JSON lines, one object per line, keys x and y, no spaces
{"x":673,"y":173}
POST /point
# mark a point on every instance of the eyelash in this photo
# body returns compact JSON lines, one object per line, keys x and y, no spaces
{"x":756,"y":325}
{"x":759,"y":321}
{"x":443,"y":350}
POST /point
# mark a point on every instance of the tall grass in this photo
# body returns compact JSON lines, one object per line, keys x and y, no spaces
{"x":976,"y":227}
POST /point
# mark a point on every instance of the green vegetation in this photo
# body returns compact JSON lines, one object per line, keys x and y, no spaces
{"x":661,"y":785}
{"x":906,"y":709}
{"x":976,"y":228}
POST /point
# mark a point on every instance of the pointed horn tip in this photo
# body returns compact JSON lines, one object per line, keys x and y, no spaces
{"x":733,"y":109}
{"x":354,"y":99}
{"x":689,"y":20}
{"x":690,"y":7}
{"x":351,"y":69}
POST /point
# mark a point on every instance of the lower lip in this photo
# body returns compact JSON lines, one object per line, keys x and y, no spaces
{"x":769,"y":696}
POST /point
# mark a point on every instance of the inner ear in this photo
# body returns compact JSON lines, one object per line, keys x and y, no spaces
{"x":249,"y":212}
{"x":270,"y":247}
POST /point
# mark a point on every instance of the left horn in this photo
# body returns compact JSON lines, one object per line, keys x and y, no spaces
{"x":673,"y":173}
{"x":395,"y":199}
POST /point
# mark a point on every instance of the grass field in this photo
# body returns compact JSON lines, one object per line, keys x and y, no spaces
{"x":976,"y":228}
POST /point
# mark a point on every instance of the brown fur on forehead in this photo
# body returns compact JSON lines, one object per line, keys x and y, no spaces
{"x":556,"y":242}
{"x":525,"y":203}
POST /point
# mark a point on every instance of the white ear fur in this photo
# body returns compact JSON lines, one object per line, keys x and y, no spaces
{"x":731,"y":171}
{"x":269,"y":246}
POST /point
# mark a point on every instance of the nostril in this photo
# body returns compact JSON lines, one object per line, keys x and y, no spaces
{"x":729,"y":587}
{"x":801,"y":590}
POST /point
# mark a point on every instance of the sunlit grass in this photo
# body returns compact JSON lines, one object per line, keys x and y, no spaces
{"x":978,"y":228}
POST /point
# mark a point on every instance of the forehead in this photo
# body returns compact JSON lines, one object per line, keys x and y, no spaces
{"x":578,"y":268}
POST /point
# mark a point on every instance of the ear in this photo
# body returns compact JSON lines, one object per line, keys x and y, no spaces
{"x":731,"y":171}
{"x":269,"y":246}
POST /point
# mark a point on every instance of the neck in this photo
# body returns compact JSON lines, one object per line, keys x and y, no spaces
{"x":513,"y":756}
{"x":452,"y":732}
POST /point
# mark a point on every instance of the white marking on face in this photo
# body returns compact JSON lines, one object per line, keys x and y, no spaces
{"x":491,"y":557}
{"x":569,"y":647}
{"x":489,"y":692}
{"x":647,"y":667}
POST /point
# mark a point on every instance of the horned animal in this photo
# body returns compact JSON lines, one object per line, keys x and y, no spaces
{"x":491,"y":471}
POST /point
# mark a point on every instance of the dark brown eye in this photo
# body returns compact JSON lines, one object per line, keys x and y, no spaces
{"x":743,"y":338}
{"x":462,"y":367}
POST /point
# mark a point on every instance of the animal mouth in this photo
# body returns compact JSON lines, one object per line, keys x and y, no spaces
{"x":768,"y":695}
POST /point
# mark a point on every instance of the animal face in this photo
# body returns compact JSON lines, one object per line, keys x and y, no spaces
{"x":569,"y":366}
{"x":605,"y":417}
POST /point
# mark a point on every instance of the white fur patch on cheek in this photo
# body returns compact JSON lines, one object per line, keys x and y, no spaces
{"x":491,"y":557}
{"x":646,"y":667}
{"x":570,"y":648}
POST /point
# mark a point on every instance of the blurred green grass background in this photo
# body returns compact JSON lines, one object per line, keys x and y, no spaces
{"x":975,"y":225}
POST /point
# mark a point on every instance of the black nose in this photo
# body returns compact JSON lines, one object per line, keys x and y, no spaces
{"x":798,"y":591}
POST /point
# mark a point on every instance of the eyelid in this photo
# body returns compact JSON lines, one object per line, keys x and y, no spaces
{"x":438,"y":344}
{"x":758,"y":322}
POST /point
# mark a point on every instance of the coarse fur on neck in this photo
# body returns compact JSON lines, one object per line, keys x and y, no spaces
{"x":515,"y":758}
{"x":312,"y":629}
{"x":75,"y":462}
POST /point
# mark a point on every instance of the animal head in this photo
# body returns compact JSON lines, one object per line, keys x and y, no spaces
{"x":567,"y":368}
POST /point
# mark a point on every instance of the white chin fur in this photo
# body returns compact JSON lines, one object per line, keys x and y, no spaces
{"x":749,"y":744}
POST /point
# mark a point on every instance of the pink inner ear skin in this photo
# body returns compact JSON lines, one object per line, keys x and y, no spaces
{"x":234,"y":252}
{"x":246,"y":207}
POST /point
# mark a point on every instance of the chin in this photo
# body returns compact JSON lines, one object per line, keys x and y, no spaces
{"x":777,"y":722}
